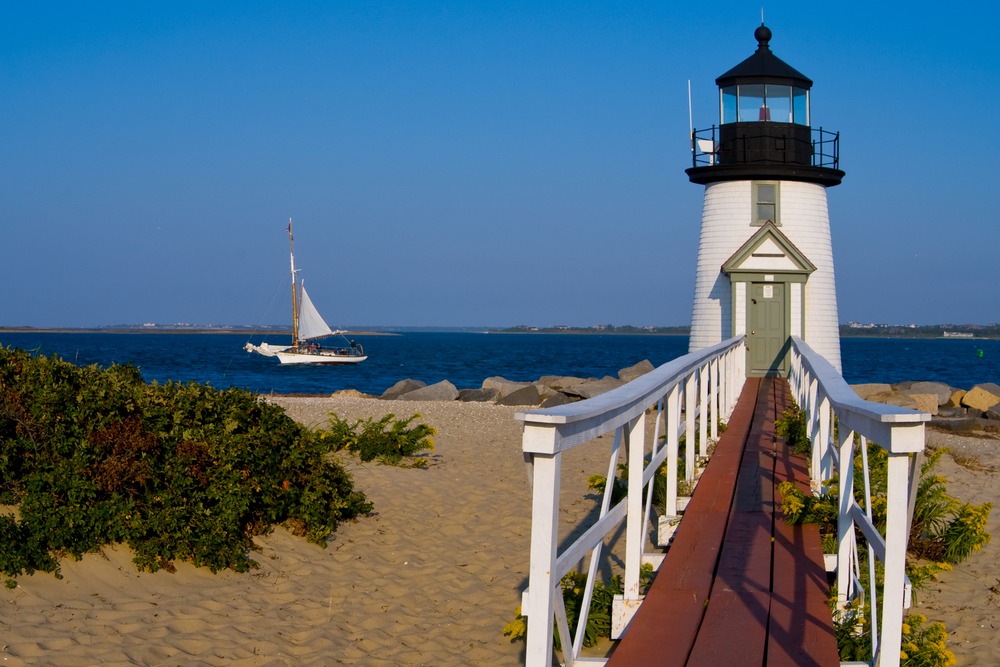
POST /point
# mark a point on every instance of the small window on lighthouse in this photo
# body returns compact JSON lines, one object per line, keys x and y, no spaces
{"x":765,"y":197}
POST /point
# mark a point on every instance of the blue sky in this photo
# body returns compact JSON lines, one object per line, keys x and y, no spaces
{"x":465,"y":164}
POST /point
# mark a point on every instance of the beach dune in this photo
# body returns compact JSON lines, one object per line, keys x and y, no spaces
{"x":430,"y":579}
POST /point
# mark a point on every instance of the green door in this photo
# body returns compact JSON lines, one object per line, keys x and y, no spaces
{"x":767,"y":330}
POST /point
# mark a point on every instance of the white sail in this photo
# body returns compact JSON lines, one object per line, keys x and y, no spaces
{"x":311,"y":323}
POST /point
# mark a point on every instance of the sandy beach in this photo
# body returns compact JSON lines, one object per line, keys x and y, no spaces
{"x":431,"y":579}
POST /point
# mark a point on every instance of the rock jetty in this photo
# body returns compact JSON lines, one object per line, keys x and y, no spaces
{"x":956,"y":409}
{"x":951,"y":408}
{"x":547,"y":391}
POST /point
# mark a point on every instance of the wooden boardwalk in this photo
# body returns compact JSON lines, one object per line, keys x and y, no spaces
{"x":739,"y":586}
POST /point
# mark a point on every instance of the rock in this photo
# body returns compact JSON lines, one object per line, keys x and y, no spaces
{"x":503,"y":386}
{"x":545,"y":391}
{"x":442,"y":391}
{"x":402,"y":387}
{"x":993,"y":413}
{"x":942,"y":391}
{"x":902,"y":400}
{"x":591,"y":388}
{"x":350,"y":393}
{"x":555,"y":399}
{"x":925,"y":402}
{"x":956,"y":398}
{"x":560,"y":383}
{"x":982,"y":397}
{"x":477,"y":395}
{"x":524,"y":396}
{"x":956,"y":425}
{"x":632,"y":372}
{"x":948,"y":412}
{"x":864,"y":391}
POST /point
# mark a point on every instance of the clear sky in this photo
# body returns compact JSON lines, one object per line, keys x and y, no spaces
{"x":466,"y":163}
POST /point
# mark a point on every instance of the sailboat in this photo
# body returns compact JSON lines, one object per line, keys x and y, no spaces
{"x":310,"y":333}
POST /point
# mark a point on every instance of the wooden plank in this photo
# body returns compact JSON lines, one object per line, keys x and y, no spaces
{"x":734,"y":631}
{"x":664,"y":629}
{"x":740,"y":597}
{"x":800,"y":629}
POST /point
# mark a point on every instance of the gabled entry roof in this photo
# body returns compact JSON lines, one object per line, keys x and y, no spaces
{"x":768,"y":251}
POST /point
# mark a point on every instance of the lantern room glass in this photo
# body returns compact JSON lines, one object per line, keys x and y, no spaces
{"x":755,"y":102}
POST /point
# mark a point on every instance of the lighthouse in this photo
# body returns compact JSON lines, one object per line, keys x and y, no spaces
{"x":765,"y":260}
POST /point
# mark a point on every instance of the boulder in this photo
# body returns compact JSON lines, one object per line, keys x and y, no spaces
{"x":925,"y":402}
{"x":942,"y":391}
{"x":555,"y":399}
{"x":527,"y":395}
{"x":956,"y":425}
{"x":402,"y":387}
{"x":350,"y":393}
{"x":632,"y":372}
{"x":993,"y":413}
{"x":864,"y":391}
{"x":503,"y":386}
{"x":559,"y":382}
{"x":956,"y":398}
{"x":442,"y":391}
{"x":477,"y":395}
{"x":902,"y":400}
{"x":545,"y":391}
{"x":982,"y":397}
{"x":591,"y":388}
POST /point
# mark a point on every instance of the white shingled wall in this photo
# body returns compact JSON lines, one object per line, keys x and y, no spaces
{"x":725,"y":226}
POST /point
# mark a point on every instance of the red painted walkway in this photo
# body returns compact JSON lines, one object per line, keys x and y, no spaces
{"x":739,"y":586}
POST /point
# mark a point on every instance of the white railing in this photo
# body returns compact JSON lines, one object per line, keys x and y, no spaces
{"x":700,"y":387}
{"x":834,"y":414}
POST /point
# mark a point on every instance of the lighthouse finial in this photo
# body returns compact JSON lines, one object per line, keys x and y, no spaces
{"x":763,"y":36}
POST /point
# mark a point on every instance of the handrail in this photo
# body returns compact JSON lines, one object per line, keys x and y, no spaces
{"x":709,"y":381}
{"x":834,"y":414}
{"x":822,"y":148}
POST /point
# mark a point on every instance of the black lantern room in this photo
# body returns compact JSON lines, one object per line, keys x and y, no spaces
{"x":764,"y":126}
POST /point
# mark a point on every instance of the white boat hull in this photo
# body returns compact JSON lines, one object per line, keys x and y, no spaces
{"x":324,"y":358}
{"x":286,"y":354}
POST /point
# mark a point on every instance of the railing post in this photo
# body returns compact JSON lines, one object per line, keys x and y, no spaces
{"x":689,"y":437}
{"x":703,"y":411}
{"x":845,"y":524}
{"x":827,"y":431}
{"x":713,"y":378}
{"x":673,"y":407}
{"x":896,"y":536}
{"x":635,"y":523}
{"x":539,"y":605}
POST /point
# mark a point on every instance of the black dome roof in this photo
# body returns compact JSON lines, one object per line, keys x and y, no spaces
{"x":764,"y":66}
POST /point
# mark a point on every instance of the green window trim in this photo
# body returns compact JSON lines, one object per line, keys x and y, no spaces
{"x":766,"y":203}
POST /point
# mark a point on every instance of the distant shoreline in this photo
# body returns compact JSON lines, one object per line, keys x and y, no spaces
{"x":930,"y":332}
{"x":169,"y":330}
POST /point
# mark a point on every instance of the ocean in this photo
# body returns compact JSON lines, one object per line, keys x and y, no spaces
{"x":466,"y":359}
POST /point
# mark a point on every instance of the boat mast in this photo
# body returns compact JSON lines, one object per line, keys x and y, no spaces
{"x":295,"y":304}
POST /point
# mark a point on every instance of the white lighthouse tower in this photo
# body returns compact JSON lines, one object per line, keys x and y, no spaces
{"x":765,"y":262}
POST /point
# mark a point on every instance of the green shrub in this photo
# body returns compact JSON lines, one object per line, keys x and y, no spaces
{"x":573,"y":587}
{"x":388,"y":439}
{"x":176,"y":471}
{"x":944,"y":532}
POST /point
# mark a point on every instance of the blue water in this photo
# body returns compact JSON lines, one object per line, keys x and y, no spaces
{"x":466,"y":359}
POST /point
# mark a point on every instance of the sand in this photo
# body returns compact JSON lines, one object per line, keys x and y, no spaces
{"x":967,"y":599}
{"x":431,"y":579}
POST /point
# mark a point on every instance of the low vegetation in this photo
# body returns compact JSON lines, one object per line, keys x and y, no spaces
{"x":178,"y":472}
{"x":387,"y":440}
{"x":945,"y":531}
